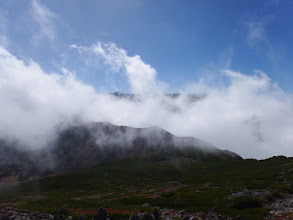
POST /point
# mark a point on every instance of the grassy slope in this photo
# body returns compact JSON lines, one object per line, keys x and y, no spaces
{"x":124,"y":186}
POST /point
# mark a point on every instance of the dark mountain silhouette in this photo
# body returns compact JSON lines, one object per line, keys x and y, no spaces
{"x":84,"y":146}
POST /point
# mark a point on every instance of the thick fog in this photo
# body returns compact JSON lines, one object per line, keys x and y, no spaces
{"x":248,"y":114}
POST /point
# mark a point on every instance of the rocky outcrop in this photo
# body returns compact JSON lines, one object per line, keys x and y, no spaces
{"x":167,"y":214}
{"x":8,"y":213}
{"x":248,"y":192}
{"x":189,"y":98}
{"x":281,"y":207}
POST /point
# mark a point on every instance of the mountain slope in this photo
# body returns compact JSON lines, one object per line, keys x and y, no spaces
{"x":91,"y":144}
{"x":84,"y":146}
{"x":133,"y":185}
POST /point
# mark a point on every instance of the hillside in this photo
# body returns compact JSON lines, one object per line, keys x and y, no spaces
{"x":84,"y":146}
{"x":252,"y":188}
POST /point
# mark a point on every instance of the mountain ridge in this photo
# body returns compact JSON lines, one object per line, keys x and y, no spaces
{"x":83,"y":146}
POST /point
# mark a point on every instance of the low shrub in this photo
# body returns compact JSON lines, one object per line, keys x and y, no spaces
{"x":271,"y":197}
{"x":244,"y":202}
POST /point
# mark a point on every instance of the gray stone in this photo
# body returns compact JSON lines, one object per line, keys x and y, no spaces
{"x":4,"y":217}
{"x":63,"y":210}
{"x":9,"y":212}
{"x":133,"y":217}
{"x":102,"y":214}
{"x":145,"y":216}
{"x":156,"y":214}
{"x":182,"y":212}
{"x":239,"y":217}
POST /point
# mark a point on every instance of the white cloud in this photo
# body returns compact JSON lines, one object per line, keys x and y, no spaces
{"x":259,"y":40}
{"x":256,"y":32}
{"x":257,"y":35}
{"x":141,"y":76}
{"x":45,"y":18}
{"x":34,"y":103}
{"x":251,"y":115}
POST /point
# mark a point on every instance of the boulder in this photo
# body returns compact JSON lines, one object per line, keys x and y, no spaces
{"x":133,"y":217}
{"x":102,"y":214}
{"x":4,"y":217}
{"x":156,"y":214}
{"x":63,"y":210}
{"x":145,"y":216}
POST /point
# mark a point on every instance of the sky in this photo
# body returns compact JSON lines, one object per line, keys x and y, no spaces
{"x":59,"y":59}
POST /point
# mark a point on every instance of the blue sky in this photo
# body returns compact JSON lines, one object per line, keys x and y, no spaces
{"x":182,"y":40}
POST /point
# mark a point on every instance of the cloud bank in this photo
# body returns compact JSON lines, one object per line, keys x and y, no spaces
{"x":250,"y":115}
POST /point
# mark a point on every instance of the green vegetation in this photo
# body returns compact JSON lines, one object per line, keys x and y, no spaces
{"x":123,"y":187}
{"x":244,"y":202}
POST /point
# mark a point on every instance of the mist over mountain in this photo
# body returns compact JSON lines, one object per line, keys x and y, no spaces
{"x":185,"y":108}
{"x":172,"y":96}
{"x":91,"y":144}
{"x":249,"y":115}
{"x":171,"y":101}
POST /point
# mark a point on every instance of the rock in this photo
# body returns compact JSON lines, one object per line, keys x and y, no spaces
{"x":182,"y":212}
{"x":102,"y":214}
{"x":239,"y":217}
{"x":145,"y":216}
{"x":133,"y":217}
{"x":167,"y":214}
{"x":185,"y":217}
{"x":63,"y":210}
{"x":4,"y":217}
{"x":156,"y":214}
{"x":9,"y":212}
